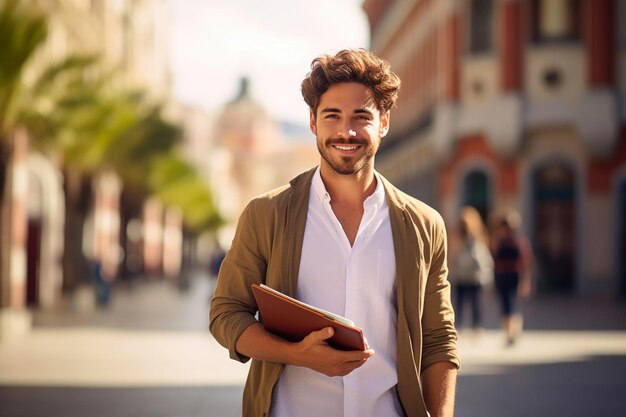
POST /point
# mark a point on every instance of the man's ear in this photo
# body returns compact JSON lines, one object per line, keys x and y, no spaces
{"x":312,"y":122}
{"x":384,"y":124}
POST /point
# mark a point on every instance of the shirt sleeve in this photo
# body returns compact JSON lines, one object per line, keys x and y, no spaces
{"x":233,"y":307}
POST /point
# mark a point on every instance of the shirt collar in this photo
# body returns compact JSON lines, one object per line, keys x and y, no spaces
{"x":318,"y":185}
{"x":377,"y":198}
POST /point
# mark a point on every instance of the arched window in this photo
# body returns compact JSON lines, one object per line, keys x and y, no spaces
{"x":621,"y":238}
{"x":476,"y":192}
{"x":620,"y":17}
{"x":556,"y":20}
{"x":481,"y":26}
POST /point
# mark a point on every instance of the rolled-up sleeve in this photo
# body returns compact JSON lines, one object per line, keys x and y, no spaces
{"x":233,"y":307}
{"x":439,"y":333}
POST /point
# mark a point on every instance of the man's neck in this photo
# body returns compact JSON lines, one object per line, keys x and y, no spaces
{"x":349,"y":189}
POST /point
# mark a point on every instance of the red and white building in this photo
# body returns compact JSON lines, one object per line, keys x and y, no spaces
{"x":516,"y":103}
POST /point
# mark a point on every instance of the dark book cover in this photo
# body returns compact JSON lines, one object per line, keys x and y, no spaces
{"x":294,"y":320}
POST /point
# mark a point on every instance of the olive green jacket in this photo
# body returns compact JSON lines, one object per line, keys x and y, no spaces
{"x":267,"y":249}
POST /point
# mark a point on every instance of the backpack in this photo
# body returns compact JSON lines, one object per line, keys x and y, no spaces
{"x":473,"y":264}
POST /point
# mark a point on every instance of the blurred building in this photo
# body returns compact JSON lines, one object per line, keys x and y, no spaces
{"x":198,"y":147}
{"x":516,"y":103}
{"x":131,"y":37}
{"x":256,"y":153}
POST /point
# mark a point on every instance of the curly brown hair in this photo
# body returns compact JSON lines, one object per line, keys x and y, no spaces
{"x":352,"y":65}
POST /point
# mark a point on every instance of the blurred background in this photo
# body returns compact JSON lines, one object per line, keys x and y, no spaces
{"x":133,"y":133}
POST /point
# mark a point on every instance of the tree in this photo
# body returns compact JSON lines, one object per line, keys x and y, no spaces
{"x":175,"y":182}
{"x":73,"y":111}
{"x":22,"y":31}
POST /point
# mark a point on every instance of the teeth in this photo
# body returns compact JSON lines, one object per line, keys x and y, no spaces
{"x":346,"y":148}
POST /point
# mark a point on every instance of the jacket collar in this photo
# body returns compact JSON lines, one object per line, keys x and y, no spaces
{"x":302,"y":183}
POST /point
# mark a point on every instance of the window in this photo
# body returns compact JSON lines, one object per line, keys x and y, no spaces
{"x":621,"y":28}
{"x":476,"y":193}
{"x":556,"y":20}
{"x":481,"y":26}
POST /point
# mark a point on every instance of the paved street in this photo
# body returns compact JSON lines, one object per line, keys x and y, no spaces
{"x":150,"y":355}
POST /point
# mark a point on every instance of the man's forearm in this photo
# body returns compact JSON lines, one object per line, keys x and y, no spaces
{"x":255,"y":342}
{"x":312,"y":352}
{"x":439,"y":384}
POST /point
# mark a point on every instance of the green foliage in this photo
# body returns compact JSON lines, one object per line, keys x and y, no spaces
{"x":22,"y":31}
{"x":135,"y":149}
{"x":73,"y":109}
{"x":177,"y":183}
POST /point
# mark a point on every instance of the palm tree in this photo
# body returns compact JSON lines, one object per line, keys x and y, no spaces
{"x":73,"y":112}
{"x":101,"y":128}
{"x":145,"y":157}
{"x":175,"y":182}
{"x":38,"y":107}
{"x":21,"y":33}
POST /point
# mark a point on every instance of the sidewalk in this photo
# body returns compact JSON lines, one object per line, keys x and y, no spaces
{"x":153,"y":334}
{"x":150,"y":354}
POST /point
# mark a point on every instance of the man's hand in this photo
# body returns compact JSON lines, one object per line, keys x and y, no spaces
{"x":314,"y":352}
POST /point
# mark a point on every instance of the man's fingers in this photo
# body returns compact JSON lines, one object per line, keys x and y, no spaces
{"x":323,"y":334}
{"x":357,"y":356}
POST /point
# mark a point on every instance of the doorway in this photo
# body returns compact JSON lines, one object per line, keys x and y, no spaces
{"x":33,"y":256}
{"x":621,"y":238}
{"x":476,"y":192}
{"x":554,"y":229}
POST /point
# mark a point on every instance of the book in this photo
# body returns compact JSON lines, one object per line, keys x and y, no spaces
{"x":294,"y":320}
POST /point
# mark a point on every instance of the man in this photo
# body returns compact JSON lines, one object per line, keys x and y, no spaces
{"x":344,"y":239}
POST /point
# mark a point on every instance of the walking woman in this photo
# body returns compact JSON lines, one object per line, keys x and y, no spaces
{"x":472,"y":266}
{"x":513,"y":263}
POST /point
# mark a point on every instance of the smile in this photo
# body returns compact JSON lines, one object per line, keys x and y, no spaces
{"x":345,"y":147}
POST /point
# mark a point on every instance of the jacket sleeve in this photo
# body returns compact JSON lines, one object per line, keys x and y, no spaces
{"x":233,"y":307}
{"x":439,"y":334}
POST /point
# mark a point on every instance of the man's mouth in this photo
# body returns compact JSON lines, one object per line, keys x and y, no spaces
{"x":346,"y":147}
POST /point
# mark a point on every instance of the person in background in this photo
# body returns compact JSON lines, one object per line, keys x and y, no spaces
{"x":513,"y":263}
{"x":471,"y":266}
{"x":344,"y":239}
{"x":217,"y":257}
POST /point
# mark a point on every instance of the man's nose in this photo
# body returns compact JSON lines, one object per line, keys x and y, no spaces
{"x":346,"y":131}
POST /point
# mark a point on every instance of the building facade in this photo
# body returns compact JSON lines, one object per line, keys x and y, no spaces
{"x":256,"y":153}
{"x":516,"y":103}
{"x":130,"y":35}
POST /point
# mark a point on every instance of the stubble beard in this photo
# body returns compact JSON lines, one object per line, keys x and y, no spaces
{"x":346,"y":165}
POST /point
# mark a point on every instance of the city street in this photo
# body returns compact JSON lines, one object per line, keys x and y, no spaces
{"x":150,"y":355}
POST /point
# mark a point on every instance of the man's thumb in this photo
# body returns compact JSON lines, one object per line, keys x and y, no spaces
{"x":325,"y":333}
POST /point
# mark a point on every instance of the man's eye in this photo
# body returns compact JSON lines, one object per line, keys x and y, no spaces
{"x":332,"y":116}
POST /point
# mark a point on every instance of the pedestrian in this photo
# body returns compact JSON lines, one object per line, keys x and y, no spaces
{"x":217,"y":257}
{"x":101,"y":282}
{"x":513,"y":262}
{"x":471,"y":266}
{"x":344,"y":239}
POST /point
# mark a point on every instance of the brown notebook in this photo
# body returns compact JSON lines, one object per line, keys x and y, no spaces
{"x":294,"y":320}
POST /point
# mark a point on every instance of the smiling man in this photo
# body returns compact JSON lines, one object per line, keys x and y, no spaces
{"x":344,"y":239}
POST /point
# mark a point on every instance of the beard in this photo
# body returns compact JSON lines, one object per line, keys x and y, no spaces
{"x":349,"y":164}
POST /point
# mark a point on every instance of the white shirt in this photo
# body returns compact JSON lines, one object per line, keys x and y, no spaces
{"x":356,"y":282}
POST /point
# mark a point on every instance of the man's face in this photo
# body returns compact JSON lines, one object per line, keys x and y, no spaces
{"x":348,"y":127}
